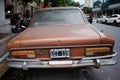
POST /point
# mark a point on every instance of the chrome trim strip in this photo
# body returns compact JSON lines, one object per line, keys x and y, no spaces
{"x":12,"y":59}
{"x":87,"y":58}
{"x":68,"y":46}
{"x":107,"y":56}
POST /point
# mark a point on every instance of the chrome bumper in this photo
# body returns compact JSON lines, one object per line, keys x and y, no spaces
{"x":89,"y":61}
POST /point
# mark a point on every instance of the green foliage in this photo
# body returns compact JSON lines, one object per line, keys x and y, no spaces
{"x":37,"y":1}
{"x":54,"y":3}
{"x":24,"y":2}
{"x":75,"y":4}
{"x":57,"y":3}
{"x":87,"y":10}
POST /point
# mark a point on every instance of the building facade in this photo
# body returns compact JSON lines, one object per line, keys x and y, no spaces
{"x":2,"y":12}
{"x":106,"y":7}
{"x":88,"y":3}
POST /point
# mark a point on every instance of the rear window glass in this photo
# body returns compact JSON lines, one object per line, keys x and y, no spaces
{"x":58,"y":17}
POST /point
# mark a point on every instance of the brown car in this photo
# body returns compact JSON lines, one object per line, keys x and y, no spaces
{"x":60,"y":38}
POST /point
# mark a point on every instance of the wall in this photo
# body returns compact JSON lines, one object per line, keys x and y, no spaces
{"x":88,"y":3}
{"x":2,"y":12}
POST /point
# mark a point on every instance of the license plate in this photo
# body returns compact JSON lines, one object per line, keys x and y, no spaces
{"x":59,"y":53}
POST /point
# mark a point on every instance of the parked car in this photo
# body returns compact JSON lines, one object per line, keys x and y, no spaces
{"x":60,"y":38}
{"x":101,"y":19}
{"x":113,"y":19}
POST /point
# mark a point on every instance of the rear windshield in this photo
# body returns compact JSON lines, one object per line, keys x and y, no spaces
{"x":58,"y":17}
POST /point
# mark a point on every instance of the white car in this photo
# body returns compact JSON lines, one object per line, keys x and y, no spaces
{"x":113,"y":19}
{"x":101,"y":19}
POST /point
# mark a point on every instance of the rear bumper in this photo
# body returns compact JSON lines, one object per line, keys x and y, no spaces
{"x":84,"y":62}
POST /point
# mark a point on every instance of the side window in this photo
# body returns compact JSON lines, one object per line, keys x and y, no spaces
{"x":113,"y":16}
{"x":100,"y":16}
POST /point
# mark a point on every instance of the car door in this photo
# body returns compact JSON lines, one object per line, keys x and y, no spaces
{"x":103,"y":19}
{"x":113,"y":18}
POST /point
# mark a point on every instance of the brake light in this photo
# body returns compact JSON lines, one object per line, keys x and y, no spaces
{"x":119,"y":18}
{"x":97,"y":51}
{"x":23,"y":54}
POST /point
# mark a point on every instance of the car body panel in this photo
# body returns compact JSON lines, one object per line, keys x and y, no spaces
{"x":101,"y":19}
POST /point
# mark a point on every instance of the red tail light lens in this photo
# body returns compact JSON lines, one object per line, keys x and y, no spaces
{"x":119,"y":18}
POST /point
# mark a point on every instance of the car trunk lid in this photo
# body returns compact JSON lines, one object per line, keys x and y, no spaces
{"x":59,"y":35}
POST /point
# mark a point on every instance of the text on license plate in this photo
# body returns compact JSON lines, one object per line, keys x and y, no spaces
{"x":59,"y":53}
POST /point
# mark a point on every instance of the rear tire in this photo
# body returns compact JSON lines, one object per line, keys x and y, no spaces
{"x":105,"y":21}
{"x":114,"y":23}
{"x":97,"y":21}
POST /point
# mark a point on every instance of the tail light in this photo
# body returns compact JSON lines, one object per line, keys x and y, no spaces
{"x":97,"y":51}
{"x":119,"y":18}
{"x":23,"y":54}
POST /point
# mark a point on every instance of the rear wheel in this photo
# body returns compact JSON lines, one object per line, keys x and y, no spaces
{"x":114,"y":23}
{"x":105,"y":21}
{"x":97,"y":21}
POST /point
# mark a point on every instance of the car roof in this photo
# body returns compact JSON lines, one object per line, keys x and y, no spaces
{"x":116,"y":14}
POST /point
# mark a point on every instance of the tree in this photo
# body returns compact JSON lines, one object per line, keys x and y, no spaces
{"x":75,"y":4}
{"x":24,"y":2}
{"x":37,"y":1}
{"x":54,"y":3}
{"x":87,"y":10}
{"x":57,"y":3}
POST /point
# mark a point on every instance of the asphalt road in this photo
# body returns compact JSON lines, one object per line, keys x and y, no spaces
{"x":104,"y":73}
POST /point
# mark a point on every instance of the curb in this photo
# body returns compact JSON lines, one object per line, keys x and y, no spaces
{"x":4,"y":24}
